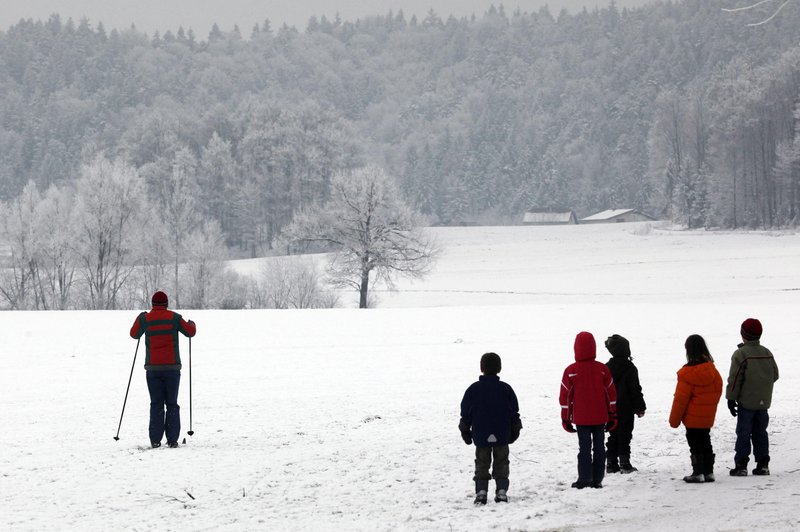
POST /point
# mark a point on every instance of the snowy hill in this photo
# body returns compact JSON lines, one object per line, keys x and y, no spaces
{"x":346,"y":419}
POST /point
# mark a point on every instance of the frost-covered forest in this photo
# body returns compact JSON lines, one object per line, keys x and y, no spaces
{"x":678,"y":109}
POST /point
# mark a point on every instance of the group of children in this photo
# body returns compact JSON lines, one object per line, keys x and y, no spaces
{"x":597,"y":398}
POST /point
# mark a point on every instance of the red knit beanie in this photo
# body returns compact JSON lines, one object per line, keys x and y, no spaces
{"x":751,"y":329}
{"x":160,"y":299}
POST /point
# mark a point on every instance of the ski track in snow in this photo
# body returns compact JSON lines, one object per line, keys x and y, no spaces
{"x":346,"y":420}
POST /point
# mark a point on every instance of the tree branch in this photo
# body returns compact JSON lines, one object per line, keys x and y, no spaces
{"x":746,"y":8}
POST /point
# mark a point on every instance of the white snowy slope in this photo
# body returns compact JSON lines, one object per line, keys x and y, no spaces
{"x":346,"y":419}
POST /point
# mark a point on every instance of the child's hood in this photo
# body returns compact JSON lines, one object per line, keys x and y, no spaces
{"x":698,"y":375}
{"x":585,"y":347}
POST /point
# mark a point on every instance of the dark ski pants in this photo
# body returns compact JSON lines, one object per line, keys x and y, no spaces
{"x":751,"y":425}
{"x":500,"y":467}
{"x":619,"y":439}
{"x":700,"y":447}
{"x":163,"y":388}
{"x":591,"y":453}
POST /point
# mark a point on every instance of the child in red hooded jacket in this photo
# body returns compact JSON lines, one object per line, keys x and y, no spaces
{"x":589,"y":401}
{"x":697,"y":395}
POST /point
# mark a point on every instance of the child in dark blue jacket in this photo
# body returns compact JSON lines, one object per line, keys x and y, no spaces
{"x":490,"y":419}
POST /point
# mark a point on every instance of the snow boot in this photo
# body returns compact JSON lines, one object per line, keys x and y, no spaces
{"x":155,"y":444}
{"x":500,"y":494}
{"x":740,"y":470}
{"x":697,"y":471}
{"x":708,"y":468}
{"x":481,"y":490}
{"x":625,"y":466}
{"x":597,"y":484}
{"x":762,"y":468}
{"x":172,"y":444}
{"x":580,"y":484}
{"x":612,"y":464}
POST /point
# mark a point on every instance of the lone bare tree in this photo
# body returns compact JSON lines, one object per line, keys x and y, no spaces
{"x":375,"y":235}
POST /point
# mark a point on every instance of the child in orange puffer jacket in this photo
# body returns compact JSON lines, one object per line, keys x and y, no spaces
{"x":695,"y":405}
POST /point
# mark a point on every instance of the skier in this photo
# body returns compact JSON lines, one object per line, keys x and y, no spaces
{"x":630,"y":401}
{"x":749,"y":393}
{"x":490,"y":419}
{"x":163,"y":366}
{"x":588,"y":399}
{"x":695,"y":405}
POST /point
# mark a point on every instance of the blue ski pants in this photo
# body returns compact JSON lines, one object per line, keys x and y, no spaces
{"x":163,"y":388}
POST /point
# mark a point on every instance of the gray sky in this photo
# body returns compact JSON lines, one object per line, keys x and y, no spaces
{"x":149,"y":15}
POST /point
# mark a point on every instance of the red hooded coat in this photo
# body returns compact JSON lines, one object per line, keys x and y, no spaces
{"x":588,"y":394}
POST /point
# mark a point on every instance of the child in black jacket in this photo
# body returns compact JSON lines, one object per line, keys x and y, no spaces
{"x":630,"y":401}
{"x":490,"y":419}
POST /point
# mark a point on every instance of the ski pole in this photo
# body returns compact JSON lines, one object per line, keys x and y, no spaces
{"x":128,"y":388}
{"x":190,"y":432}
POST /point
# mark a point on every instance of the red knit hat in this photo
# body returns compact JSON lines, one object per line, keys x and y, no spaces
{"x":160,"y":299}
{"x":751,"y":329}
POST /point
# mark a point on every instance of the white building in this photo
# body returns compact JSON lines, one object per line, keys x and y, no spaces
{"x":617,"y":216}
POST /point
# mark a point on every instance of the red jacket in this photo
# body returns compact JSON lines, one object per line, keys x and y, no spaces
{"x":160,"y":328}
{"x":696,"y":396}
{"x":588,"y":394}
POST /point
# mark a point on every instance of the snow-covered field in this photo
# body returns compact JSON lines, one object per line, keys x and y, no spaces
{"x":346,"y":419}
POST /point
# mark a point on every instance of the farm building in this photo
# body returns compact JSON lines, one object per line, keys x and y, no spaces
{"x":616,"y":215}
{"x":549,"y":218}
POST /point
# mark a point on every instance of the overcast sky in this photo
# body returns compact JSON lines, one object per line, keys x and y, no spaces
{"x":149,"y":15}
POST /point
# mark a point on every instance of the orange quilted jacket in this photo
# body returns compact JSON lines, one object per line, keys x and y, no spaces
{"x":696,"y":396}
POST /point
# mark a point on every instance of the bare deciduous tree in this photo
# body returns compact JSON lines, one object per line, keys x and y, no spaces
{"x":17,"y":285}
{"x":374,"y":234}
{"x":293,"y":282}
{"x":179,"y":212}
{"x":206,"y":253}
{"x":55,"y":223}
{"x":109,"y":199}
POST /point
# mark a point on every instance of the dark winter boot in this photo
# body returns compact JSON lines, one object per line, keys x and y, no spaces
{"x":481,"y":490}
{"x":500,"y":494}
{"x":762,"y":468}
{"x":625,"y":466}
{"x":740,"y":470}
{"x":697,"y":471}
{"x":580,"y":484}
{"x":708,"y":468}
{"x":612,"y":464}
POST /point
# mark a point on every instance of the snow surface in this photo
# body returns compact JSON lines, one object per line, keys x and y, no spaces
{"x":346,"y":419}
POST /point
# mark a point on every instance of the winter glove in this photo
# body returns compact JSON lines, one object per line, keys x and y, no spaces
{"x":465,"y":433}
{"x":640,"y":414}
{"x":568,"y":426}
{"x":515,"y":428}
{"x":612,"y":422}
{"x":733,"y":407}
